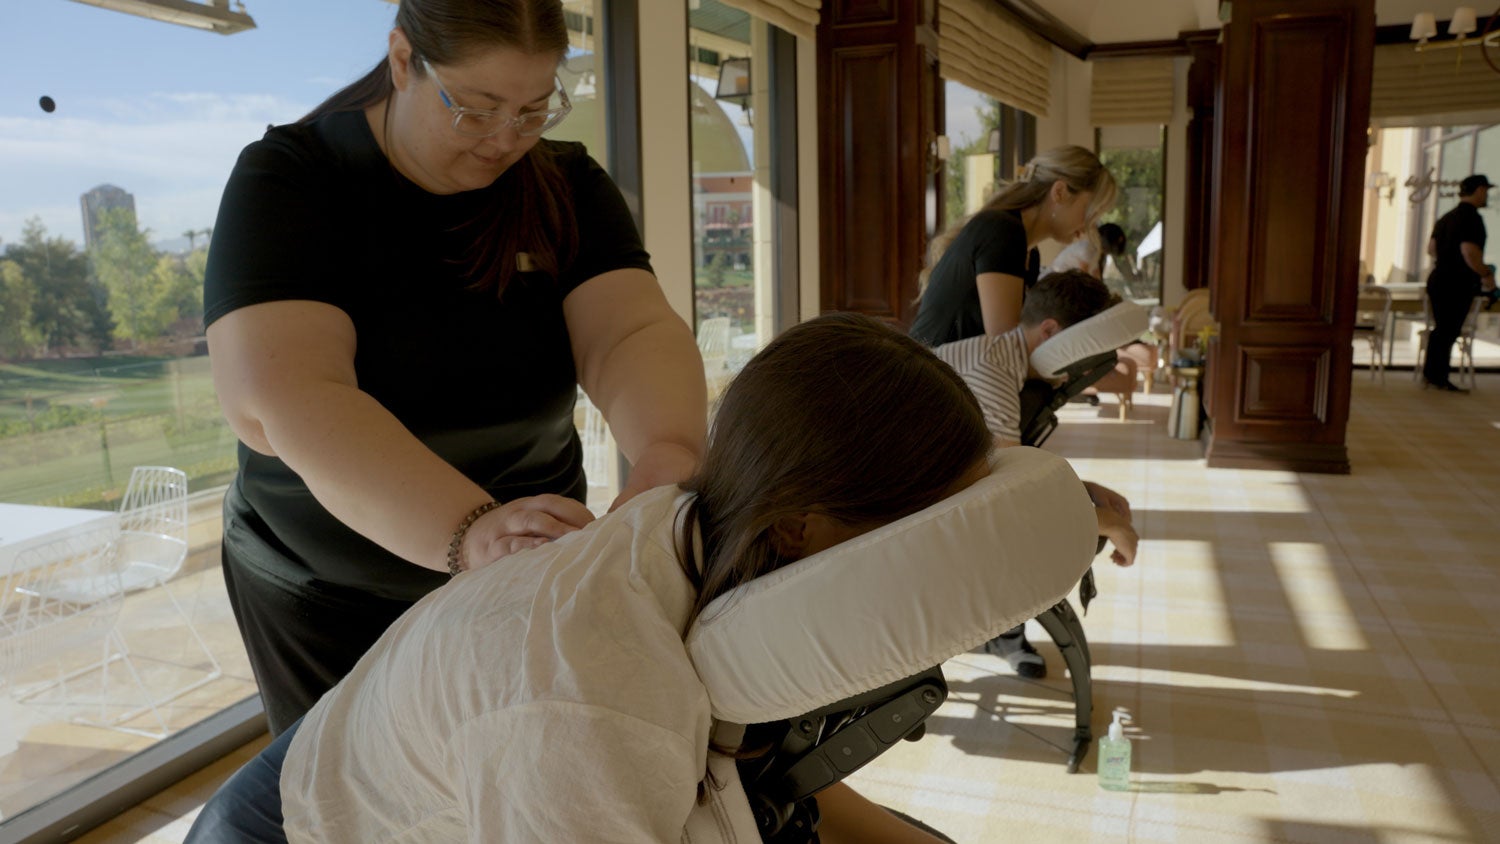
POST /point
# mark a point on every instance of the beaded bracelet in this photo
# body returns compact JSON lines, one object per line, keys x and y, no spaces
{"x":454,"y":566}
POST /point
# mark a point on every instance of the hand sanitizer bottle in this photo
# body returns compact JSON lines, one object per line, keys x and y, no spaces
{"x":1114,"y":757}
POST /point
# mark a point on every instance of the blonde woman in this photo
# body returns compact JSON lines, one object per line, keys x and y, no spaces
{"x":978,"y":271}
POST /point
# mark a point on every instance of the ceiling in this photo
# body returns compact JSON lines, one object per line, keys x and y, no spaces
{"x":1116,"y":21}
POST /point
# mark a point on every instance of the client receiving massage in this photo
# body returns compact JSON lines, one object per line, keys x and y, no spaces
{"x":551,"y":698}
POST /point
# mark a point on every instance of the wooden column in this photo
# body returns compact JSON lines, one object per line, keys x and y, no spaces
{"x":1294,"y":101}
{"x":1203,"y":88}
{"x":879,"y":187}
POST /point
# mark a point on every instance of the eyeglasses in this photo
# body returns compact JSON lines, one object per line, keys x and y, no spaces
{"x":484,"y":122}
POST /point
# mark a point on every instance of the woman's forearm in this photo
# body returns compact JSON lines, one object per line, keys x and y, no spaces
{"x":369,"y":471}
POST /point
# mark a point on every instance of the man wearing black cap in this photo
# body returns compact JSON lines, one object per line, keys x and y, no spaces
{"x":1458,"y":275}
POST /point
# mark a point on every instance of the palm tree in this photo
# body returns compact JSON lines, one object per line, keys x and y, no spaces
{"x":191,"y":234}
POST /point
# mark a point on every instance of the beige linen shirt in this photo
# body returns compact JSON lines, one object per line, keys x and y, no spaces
{"x":545,"y":698}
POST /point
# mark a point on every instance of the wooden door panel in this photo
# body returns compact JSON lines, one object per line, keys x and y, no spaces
{"x":1289,"y":152}
{"x":1283,"y":384}
{"x":877,"y":117}
{"x":868,"y":198}
{"x":1293,"y":180}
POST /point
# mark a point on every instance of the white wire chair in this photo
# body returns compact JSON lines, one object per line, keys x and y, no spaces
{"x":152,"y":549}
{"x":1464,"y":343}
{"x":1371,"y":320}
{"x":148,"y":547}
{"x":60,"y":599}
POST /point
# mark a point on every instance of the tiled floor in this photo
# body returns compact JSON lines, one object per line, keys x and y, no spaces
{"x":1304,"y":658}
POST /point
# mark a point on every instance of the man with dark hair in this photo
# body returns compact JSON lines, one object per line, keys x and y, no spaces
{"x":996,"y":368}
{"x":1458,"y":275}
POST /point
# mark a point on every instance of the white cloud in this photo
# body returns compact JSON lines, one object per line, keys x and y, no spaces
{"x":173,"y":151}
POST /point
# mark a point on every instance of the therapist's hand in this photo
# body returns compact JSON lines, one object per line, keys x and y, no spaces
{"x":660,"y":464}
{"x":520,"y":525}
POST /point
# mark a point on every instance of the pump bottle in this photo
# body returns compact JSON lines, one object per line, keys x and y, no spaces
{"x":1114,"y":757}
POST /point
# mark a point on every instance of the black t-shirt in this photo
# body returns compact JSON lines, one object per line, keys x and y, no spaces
{"x":1461,"y":225}
{"x":990,"y":242}
{"x":315,"y":212}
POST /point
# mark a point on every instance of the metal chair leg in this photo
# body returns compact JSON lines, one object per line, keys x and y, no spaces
{"x":1062,"y":624}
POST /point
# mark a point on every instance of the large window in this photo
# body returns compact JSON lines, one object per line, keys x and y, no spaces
{"x":989,"y":142}
{"x":582,"y":74}
{"x":970,"y":120}
{"x":114,"y":148}
{"x":1447,"y":156}
{"x":1135,"y":156}
{"x":732,"y":119}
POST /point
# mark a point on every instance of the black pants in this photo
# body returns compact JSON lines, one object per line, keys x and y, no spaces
{"x":301,"y":637}
{"x":1450,"y":307}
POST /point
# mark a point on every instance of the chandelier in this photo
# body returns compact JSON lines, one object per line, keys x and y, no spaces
{"x":1461,"y":26}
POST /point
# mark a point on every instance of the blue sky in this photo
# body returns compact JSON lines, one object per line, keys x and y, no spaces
{"x":163,"y":110}
{"x":158,"y":109}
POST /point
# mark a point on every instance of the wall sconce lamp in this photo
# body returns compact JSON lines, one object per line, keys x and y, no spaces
{"x":734,"y":84}
{"x":1384,"y":185}
{"x":939,"y":150}
{"x":1464,"y":21}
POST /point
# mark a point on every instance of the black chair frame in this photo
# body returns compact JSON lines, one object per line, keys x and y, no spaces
{"x":788,"y":762}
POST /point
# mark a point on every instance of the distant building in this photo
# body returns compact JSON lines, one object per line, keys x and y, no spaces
{"x":96,"y":202}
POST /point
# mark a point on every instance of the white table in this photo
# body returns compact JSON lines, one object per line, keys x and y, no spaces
{"x":25,"y":526}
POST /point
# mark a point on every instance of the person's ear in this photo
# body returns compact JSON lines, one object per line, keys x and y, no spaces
{"x":789,"y":536}
{"x":1059,"y":192}
{"x":398,"y":52}
{"x":1048,"y":328}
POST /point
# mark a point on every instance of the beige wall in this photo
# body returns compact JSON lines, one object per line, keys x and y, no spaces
{"x":1387,"y":220}
{"x":666,"y":200}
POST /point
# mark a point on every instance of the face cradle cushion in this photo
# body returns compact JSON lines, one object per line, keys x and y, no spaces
{"x":1103,"y":332}
{"x":900,"y":599}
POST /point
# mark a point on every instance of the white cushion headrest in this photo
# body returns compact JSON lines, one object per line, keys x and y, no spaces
{"x":1107,"y":330}
{"x":901,"y":598}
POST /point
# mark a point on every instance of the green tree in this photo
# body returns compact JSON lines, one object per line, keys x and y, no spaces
{"x":1138,"y":172}
{"x":18,"y":334}
{"x":988,"y":113}
{"x":68,"y":307}
{"x":127,"y":265}
{"x":714,"y":273}
{"x":177,"y":288}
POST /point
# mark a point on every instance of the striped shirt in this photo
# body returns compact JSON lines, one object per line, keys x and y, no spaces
{"x":995,"y":368}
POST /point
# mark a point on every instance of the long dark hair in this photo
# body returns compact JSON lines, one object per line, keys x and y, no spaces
{"x":535,"y":216}
{"x":842,"y":416}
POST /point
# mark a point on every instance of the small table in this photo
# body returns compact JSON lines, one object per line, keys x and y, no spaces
{"x":24,"y":526}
